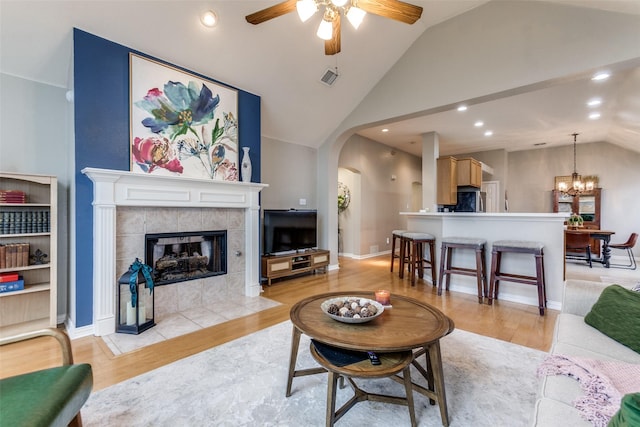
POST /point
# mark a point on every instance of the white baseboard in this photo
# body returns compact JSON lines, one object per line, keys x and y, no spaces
{"x":74,"y":333}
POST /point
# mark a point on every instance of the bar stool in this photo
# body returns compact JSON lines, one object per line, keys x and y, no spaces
{"x":446,"y":269}
{"x":416,"y":243}
{"x":396,"y":235}
{"x":390,"y":365}
{"x":523,"y":247}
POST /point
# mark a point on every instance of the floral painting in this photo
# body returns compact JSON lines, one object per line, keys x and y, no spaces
{"x":181,"y":124}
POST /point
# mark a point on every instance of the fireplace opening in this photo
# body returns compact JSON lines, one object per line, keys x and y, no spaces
{"x":177,"y":257}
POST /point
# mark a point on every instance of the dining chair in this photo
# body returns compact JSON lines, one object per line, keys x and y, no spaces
{"x":578,"y":247}
{"x":626,"y":246}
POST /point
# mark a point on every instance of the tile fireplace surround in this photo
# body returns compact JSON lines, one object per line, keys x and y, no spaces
{"x":233,"y":201}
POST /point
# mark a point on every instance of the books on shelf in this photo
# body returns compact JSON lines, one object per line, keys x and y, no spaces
{"x":13,"y":196}
{"x":9,"y":277}
{"x":16,"y":285}
{"x":25,"y":221}
{"x":14,"y":255}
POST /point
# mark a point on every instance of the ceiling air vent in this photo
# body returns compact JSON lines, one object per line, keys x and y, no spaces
{"x":329,"y":77}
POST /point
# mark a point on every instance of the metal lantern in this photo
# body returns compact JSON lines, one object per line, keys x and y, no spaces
{"x":135,"y":299}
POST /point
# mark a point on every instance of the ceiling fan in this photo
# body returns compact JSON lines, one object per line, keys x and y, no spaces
{"x":353,"y":10}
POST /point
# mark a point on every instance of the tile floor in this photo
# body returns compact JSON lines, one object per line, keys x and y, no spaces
{"x":176,"y":324}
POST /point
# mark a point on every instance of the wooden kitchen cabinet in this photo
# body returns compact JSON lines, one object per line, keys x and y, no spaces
{"x":447,"y":188}
{"x":469,"y":172}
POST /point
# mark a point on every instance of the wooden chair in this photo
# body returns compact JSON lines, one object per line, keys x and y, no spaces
{"x":49,"y":397}
{"x":390,"y":365}
{"x":626,"y":246}
{"x":536,"y":249}
{"x":578,"y":247}
{"x":416,"y":243}
{"x":396,"y":236}
{"x":447,"y":269}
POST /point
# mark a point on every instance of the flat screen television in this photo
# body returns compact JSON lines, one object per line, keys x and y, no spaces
{"x":289,"y":230}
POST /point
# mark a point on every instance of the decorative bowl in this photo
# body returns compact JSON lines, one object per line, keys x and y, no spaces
{"x":325,"y":309}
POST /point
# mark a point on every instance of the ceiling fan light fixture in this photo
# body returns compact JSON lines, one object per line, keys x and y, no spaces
{"x":325,"y":30}
{"x":306,"y":9}
{"x":355,"y":15}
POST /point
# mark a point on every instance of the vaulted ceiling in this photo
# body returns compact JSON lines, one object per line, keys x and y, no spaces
{"x":282,"y":61}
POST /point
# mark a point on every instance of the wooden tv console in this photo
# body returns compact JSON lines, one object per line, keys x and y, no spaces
{"x":275,"y":266}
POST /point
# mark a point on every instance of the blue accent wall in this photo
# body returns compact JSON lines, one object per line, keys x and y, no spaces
{"x":101,"y":108}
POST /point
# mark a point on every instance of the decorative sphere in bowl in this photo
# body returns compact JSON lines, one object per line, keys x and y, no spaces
{"x":352,"y":309}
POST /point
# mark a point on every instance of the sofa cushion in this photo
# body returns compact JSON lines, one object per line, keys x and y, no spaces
{"x":573,"y":337}
{"x":548,"y":412}
{"x":629,"y":413}
{"x":560,"y":388}
{"x":617,"y":315}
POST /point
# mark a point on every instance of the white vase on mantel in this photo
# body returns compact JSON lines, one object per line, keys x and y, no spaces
{"x":246,"y":165}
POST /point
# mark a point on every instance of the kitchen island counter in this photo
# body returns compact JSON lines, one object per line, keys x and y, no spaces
{"x":547,"y":228}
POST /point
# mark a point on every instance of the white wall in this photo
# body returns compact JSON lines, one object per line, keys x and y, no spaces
{"x":380,"y":196}
{"x":36,"y":137}
{"x":531,"y":179}
{"x":349,"y":220}
{"x":290,"y":170}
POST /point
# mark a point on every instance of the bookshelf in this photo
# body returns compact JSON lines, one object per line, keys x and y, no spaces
{"x":29,"y":226}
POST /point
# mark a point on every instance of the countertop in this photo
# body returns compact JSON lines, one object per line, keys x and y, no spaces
{"x":561,"y":215}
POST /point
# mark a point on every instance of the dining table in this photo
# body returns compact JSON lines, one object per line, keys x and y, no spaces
{"x":405,"y":324}
{"x":604,"y":236}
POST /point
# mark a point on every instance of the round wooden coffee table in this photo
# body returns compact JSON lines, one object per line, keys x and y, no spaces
{"x":408,"y":325}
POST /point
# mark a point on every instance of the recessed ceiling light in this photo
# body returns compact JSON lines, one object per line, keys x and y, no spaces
{"x":594,"y":102}
{"x":209,"y":18}
{"x":488,"y":133}
{"x":462,"y":108}
{"x":479,"y":124}
{"x":594,"y":116}
{"x":385,"y":130}
{"x":601,"y":76}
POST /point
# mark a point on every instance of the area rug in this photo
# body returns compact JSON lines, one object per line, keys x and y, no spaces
{"x":242,"y":383}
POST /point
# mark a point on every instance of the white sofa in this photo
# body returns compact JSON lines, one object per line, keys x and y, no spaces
{"x":574,"y":337}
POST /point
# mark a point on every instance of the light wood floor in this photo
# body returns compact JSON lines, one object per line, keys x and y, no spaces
{"x":517,"y":323}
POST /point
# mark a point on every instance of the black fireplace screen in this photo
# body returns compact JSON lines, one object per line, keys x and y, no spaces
{"x":176,"y":257}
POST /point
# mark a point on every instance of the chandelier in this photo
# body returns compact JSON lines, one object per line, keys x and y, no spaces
{"x":332,"y":8}
{"x":578,"y":186}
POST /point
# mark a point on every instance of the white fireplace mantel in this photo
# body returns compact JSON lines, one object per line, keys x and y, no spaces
{"x":112,"y":188}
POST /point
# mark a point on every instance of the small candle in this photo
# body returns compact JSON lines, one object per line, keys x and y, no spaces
{"x":142,"y":315}
{"x":131,"y":314}
{"x":383,"y":297}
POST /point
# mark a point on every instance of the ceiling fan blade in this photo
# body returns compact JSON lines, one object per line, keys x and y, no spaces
{"x":331,"y":47}
{"x":271,"y":12}
{"x":394,"y":9}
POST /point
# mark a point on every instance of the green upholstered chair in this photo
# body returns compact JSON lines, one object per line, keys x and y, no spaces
{"x":49,"y":397}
